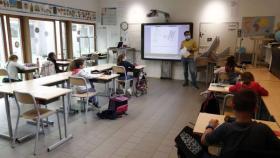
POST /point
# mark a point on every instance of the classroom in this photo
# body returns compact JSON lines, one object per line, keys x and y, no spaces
{"x":139,"y":78}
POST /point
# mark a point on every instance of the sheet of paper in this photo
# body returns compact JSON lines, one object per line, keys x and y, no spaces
{"x":185,"y":53}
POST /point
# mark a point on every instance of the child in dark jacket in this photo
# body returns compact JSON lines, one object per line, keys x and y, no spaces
{"x":248,"y":82}
{"x":121,"y":61}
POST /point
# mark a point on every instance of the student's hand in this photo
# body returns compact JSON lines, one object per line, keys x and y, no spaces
{"x":214,"y":123}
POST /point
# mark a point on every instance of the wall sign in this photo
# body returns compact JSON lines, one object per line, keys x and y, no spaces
{"x":32,"y":7}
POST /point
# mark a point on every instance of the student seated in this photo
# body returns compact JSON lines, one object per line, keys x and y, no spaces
{"x":121,"y":61}
{"x":78,"y":71}
{"x":13,"y":68}
{"x":230,"y":69}
{"x":244,"y":135}
{"x":52,"y":58}
{"x":248,"y":82}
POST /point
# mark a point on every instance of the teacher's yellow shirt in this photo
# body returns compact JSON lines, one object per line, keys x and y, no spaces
{"x":190,"y":45}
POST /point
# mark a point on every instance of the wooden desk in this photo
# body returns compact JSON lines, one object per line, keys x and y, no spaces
{"x":40,"y":93}
{"x":204,"y":118}
{"x":214,"y":87}
{"x":63,"y":63}
{"x":139,"y":67}
{"x":263,"y":74}
{"x":27,"y":70}
{"x":100,"y":68}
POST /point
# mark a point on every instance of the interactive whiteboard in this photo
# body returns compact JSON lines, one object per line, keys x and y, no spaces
{"x":162,"y":41}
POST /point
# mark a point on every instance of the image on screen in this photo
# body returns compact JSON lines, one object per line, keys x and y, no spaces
{"x":163,"y":41}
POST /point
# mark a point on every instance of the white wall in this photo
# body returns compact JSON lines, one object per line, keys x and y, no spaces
{"x":134,"y":12}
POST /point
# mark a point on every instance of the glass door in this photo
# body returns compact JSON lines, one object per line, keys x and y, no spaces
{"x":15,"y":37}
{"x":42,"y":36}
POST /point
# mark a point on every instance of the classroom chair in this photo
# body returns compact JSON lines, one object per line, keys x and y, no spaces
{"x":126,"y":79}
{"x":79,"y":81}
{"x":227,"y":108}
{"x":4,"y":73}
{"x":34,"y":114}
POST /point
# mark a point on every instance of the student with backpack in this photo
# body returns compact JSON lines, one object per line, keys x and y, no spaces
{"x":243,"y":137}
{"x":248,"y":82}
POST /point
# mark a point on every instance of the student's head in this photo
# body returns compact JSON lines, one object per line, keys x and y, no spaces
{"x":244,"y":103}
{"x":51,"y":56}
{"x":13,"y":58}
{"x":230,"y":64}
{"x":121,"y":58}
{"x":79,"y":63}
{"x":247,"y":78}
{"x":188,"y":35}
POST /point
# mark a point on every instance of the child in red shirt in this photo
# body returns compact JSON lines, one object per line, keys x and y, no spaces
{"x":248,"y":82}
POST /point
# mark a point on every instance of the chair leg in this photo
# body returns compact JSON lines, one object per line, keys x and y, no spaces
{"x":58,"y":122}
{"x":37,"y":137}
{"x":86,"y":110}
{"x":42,"y":124}
{"x":15,"y":132}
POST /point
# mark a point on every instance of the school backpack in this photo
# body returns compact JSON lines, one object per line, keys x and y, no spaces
{"x":210,"y":105}
{"x":188,"y":144}
{"x":118,"y":106}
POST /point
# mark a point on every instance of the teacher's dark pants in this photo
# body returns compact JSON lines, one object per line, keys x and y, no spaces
{"x":189,"y":65}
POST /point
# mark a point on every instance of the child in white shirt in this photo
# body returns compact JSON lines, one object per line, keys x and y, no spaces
{"x":12,"y":67}
{"x":78,"y":71}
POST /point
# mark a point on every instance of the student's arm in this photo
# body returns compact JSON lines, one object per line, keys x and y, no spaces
{"x":219,"y":70}
{"x":234,"y":88}
{"x":85,"y":74}
{"x":182,"y":45}
{"x":211,"y":134}
{"x":19,"y":66}
{"x":262,"y":91}
{"x":129,"y":65}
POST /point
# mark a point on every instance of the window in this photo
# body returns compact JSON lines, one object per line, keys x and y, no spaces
{"x":83,"y":39}
{"x":15,"y":38}
{"x":42,"y":38}
{"x":60,"y":27}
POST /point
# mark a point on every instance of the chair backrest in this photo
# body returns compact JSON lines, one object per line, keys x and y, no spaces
{"x":77,"y":81}
{"x":48,"y":68}
{"x":227,"y":102}
{"x":119,"y":69}
{"x":4,"y":72}
{"x":94,"y":57}
{"x":24,"y":98}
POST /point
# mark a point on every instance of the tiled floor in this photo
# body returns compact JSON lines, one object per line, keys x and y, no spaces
{"x":148,"y":130}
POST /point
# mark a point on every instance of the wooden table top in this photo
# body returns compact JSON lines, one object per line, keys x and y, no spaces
{"x":138,"y":67}
{"x":204,"y":118}
{"x":63,"y":62}
{"x":263,"y":74}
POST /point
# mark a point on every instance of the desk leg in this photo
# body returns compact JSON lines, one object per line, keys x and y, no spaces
{"x":8,"y":113}
{"x":67,"y":137}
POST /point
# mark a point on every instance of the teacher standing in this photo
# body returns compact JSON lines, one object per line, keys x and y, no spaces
{"x":189,"y":46}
